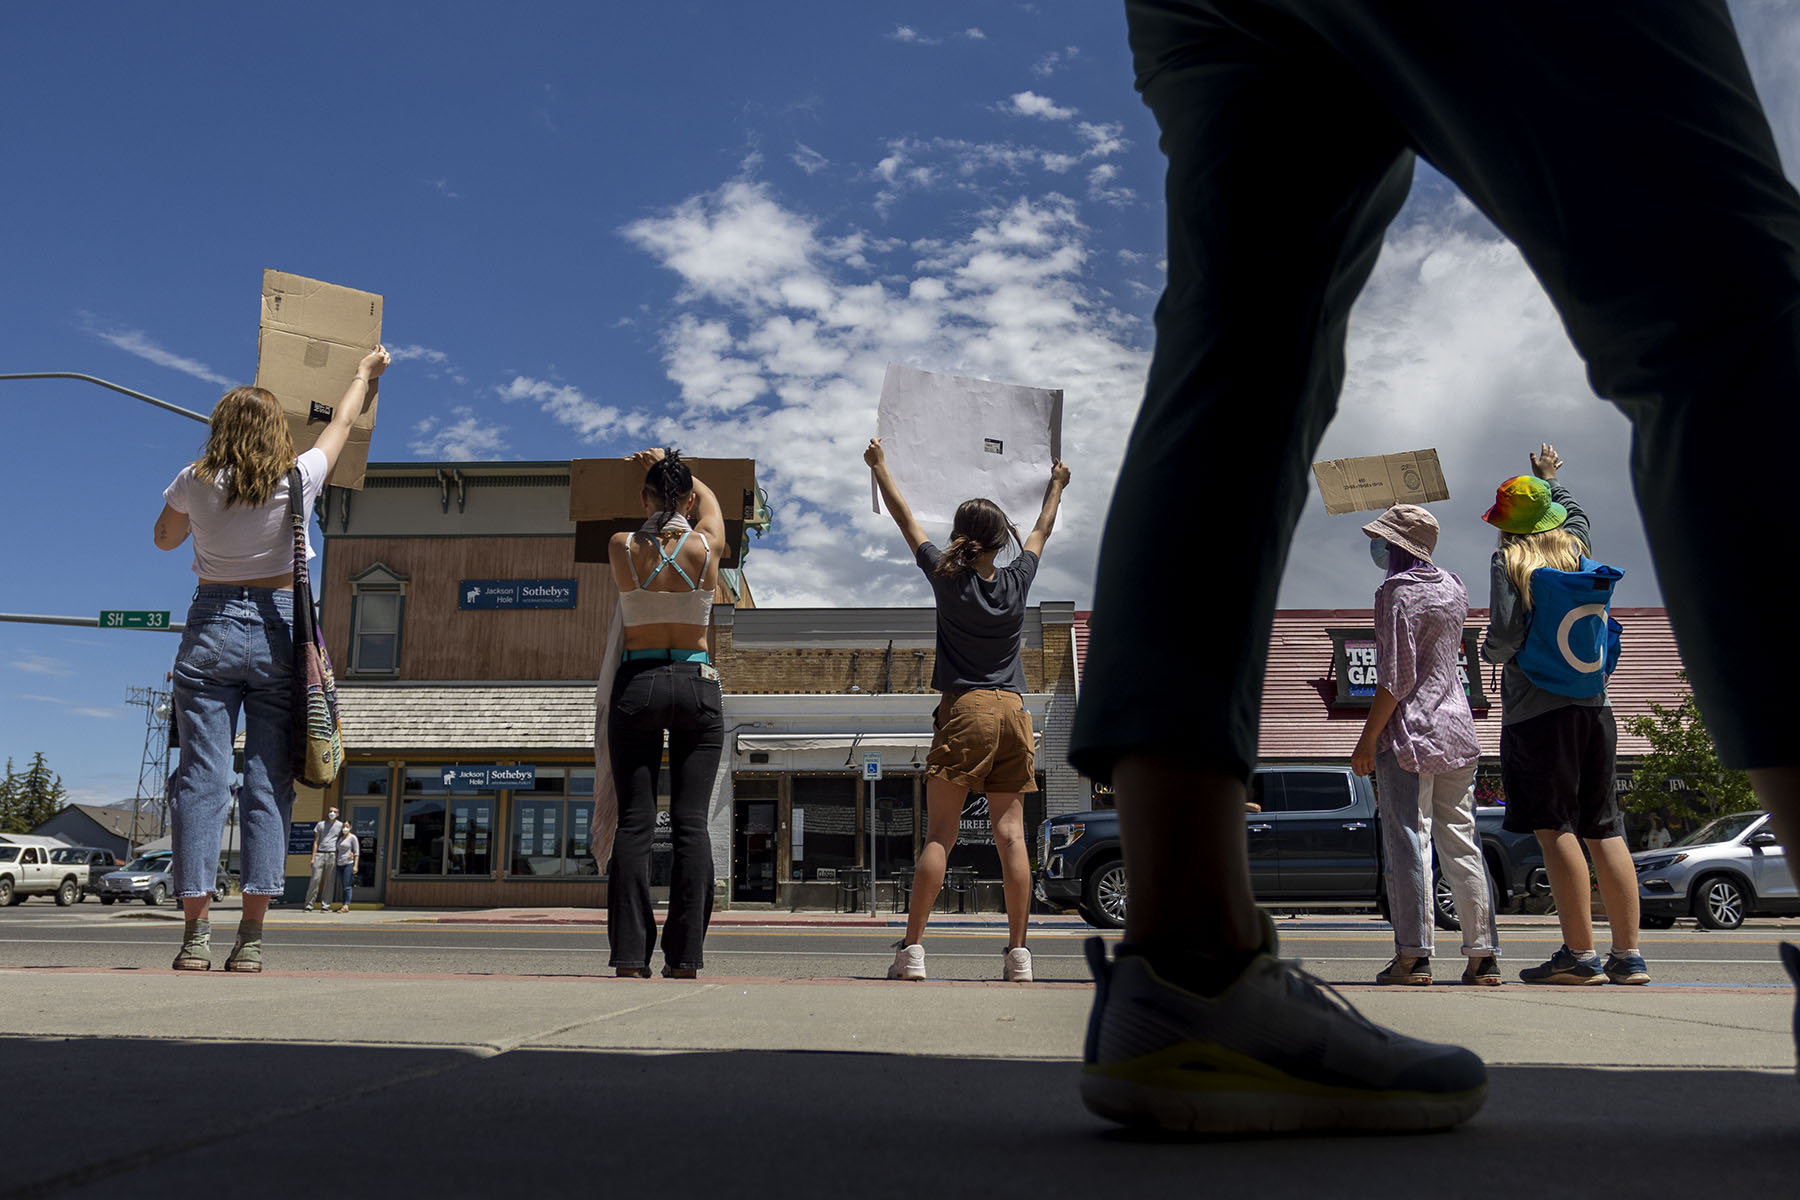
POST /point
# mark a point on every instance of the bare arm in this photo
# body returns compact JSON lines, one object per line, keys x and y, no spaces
{"x":1040,"y":533}
{"x":895,"y":503}
{"x":337,"y":431}
{"x":171,"y":529}
{"x":1362,"y":759}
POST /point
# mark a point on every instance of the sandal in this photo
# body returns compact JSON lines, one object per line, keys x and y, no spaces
{"x":196,"y":947}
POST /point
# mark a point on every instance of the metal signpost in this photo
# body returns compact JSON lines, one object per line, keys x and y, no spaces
{"x":871,"y":772}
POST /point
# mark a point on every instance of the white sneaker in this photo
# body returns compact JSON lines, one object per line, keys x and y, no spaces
{"x":1018,"y":966}
{"x":909,"y":962}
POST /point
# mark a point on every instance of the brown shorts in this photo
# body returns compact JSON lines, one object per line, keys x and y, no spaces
{"x":981,"y":740}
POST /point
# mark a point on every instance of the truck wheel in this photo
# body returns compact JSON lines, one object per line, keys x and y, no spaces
{"x":67,"y":894}
{"x":1720,"y":902}
{"x":1443,"y":907}
{"x":106,"y":899}
{"x":6,"y":891}
{"x":1106,"y":896}
{"x":1656,"y":922}
{"x":156,"y":896}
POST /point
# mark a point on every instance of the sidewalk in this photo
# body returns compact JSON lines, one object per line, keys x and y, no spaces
{"x":148,"y":1082}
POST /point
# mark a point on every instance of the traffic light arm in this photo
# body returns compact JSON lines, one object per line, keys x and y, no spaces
{"x":164,"y":404}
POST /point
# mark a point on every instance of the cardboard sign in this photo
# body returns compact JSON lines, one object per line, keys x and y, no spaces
{"x":1357,"y":484}
{"x":606,"y":497}
{"x":310,"y":341}
{"x":949,"y":439}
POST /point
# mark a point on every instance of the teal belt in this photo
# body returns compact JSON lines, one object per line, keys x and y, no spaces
{"x":667,"y":655}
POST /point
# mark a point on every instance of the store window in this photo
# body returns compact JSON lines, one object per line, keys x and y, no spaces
{"x":444,"y":832}
{"x":377,"y":601}
{"x":551,"y":824}
{"x":823,"y":824}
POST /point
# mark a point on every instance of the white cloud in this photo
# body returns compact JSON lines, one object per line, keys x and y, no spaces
{"x":572,"y":407}
{"x":1055,"y":61}
{"x":468,"y":439}
{"x":1030,"y":104}
{"x":906,"y":33}
{"x":973,"y":34}
{"x":139,"y":343}
{"x":105,"y":714}
{"x":420,"y":353}
{"x":42,"y":664}
{"x":442,"y":187}
{"x":808,"y":159}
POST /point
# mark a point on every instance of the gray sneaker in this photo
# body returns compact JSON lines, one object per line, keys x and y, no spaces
{"x":1277,"y":1051}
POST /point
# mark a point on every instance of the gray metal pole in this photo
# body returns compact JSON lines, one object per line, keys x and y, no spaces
{"x":106,"y":383}
{"x":871,"y":847}
{"x":90,"y":622}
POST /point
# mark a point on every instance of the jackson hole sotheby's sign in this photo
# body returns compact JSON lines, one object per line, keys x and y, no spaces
{"x":515,"y":593}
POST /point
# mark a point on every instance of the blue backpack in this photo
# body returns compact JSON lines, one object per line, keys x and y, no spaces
{"x":1572,"y":641}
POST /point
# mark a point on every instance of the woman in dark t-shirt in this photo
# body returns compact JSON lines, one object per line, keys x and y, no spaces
{"x":981,"y":737}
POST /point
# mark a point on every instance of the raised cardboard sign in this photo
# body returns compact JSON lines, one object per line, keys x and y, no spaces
{"x":311,"y":338}
{"x":1357,"y":484}
{"x":606,"y":497}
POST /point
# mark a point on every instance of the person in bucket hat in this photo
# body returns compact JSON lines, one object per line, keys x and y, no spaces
{"x":1419,"y":742}
{"x":1557,"y":752}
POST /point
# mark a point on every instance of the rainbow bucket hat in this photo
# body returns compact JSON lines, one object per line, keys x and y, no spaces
{"x":1523,"y":505}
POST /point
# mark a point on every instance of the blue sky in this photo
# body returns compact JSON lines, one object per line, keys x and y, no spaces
{"x":602,"y":226}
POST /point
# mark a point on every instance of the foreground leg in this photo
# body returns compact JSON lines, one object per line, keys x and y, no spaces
{"x":1576,"y":962}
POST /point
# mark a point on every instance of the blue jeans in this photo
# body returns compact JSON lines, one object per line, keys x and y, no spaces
{"x":1291,"y":128}
{"x":237,"y":653}
{"x":346,"y":879}
{"x":1417,"y":811}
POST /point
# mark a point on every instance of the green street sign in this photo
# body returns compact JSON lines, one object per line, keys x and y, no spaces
{"x":115,"y":618}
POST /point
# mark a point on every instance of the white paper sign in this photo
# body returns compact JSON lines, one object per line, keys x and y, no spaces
{"x":949,"y":439}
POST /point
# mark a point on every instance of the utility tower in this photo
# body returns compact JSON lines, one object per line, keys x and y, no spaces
{"x":150,"y":806}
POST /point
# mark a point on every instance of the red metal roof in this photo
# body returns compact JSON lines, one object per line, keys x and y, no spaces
{"x":1299,"y":722}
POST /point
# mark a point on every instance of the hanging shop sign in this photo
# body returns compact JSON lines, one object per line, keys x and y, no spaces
{"x":485,"y":594}
{"x":1353,"y":665}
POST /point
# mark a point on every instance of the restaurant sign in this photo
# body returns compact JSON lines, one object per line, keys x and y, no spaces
{"x":1353,"y":665}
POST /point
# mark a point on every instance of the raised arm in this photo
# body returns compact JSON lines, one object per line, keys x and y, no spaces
{"x":876,"y":457}
{"x":337,"y":431}
{"x":1040,"y":533}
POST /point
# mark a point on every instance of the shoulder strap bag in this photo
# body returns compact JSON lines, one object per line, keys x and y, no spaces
{"x":318,"y":737}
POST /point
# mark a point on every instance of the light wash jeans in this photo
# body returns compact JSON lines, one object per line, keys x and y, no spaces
{"x":1415,"y":809}
{"x":236,"y":653}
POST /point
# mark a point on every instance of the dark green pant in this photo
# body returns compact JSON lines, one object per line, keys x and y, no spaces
{"x":1619,"y":143}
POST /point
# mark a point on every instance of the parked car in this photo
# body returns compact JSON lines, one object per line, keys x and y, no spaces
{"x":146,"y":879}
{"x":93,"y":863}
{"x":1728,"y":869}
{"x":27,"y":869}
{"x":1314,"y":844}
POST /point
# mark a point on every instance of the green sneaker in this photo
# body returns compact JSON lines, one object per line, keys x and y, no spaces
{"x":196,"y":947}
{"x":246,"y":956}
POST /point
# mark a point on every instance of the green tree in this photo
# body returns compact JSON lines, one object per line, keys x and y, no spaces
{"x":31,"y":797}
{"x":1682,"y":776}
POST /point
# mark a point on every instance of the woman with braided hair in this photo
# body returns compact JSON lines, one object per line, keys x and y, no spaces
{"x":981,"y":734}
{"x":666,"y":572}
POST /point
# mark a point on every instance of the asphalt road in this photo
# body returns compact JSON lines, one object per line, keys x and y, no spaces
{"x":1342,"y":952}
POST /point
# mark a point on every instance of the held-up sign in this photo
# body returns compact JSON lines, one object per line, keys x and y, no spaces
{"x":309,"y":343}
{"x":1359,"y":484}
{"x":948,"y":439}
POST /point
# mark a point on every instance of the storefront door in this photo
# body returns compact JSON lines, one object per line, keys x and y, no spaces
{"x":753,"y":851}
{"x":371,"y":879}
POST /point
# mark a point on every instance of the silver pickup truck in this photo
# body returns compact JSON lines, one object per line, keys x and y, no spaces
{"x":26,"y":869}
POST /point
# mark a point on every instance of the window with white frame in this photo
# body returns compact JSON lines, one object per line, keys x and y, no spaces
{"x":377,"y":608}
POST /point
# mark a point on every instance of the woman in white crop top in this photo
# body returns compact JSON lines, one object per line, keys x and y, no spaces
{"x":666,"y":572}
{"x":237,"y":651}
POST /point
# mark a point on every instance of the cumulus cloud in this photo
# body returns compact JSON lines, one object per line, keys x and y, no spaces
{"x":1030,"y":104}
{"x":1055,"y":61}
{"x":141,"y":344}
{"x":466,"y":439}
{"x":973,"y":34}
{"x":570,"y":406}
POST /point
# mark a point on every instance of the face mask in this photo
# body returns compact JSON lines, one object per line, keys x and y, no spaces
{"x":1378,"y":551}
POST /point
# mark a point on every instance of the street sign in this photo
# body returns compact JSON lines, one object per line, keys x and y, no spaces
{"x":117,"y":618}
{"x":871,"y":765}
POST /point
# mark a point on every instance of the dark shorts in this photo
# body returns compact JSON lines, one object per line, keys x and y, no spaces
{"x":1557,"y":770}
{"x":982,"y":740}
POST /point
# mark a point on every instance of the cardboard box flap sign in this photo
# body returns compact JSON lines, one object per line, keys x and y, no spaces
{"x":605,"y":497}
{"x":948,"y":438}
{"x":310,"y":340}
{"x":1358,"y":484}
